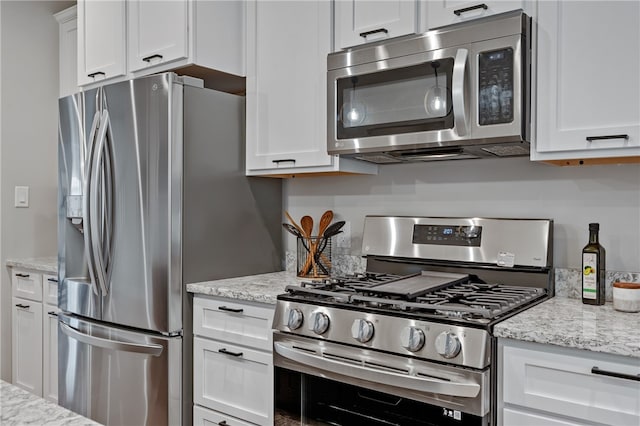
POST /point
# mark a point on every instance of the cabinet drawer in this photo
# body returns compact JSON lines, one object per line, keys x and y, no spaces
{"x":26,"y":284}
{"x":234,"y":380}
{"x":50,"y":289}
{"x":560,"y":381}
{"x":522,"y":418}
{"x":240,"y":323}
{"x":205,"y":417}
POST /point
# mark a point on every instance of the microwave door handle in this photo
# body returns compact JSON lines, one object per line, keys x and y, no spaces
{"x":86,"y":211}
{"x":457,"y":92}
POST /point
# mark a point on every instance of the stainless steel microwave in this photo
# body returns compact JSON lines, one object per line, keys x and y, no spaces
{"x":457,"y":92}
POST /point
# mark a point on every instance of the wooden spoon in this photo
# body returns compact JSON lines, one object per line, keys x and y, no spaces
{"x":293,"y":222}
{"x":306,"y":222}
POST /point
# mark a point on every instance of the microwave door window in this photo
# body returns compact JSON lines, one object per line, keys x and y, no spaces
{"x":405,"y":100}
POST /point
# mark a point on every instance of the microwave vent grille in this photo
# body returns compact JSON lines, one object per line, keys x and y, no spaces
{"x":506,"y":150}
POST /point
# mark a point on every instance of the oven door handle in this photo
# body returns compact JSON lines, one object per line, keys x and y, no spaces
{"x":405,"y":381}
{"x":457,"y":91}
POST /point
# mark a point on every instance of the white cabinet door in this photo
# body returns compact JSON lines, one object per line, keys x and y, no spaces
{"x":50,"y":353}
{"x":68,"y":41}
{"x":157,"y":32}
{"x":101,"y":40}
{"x":288,"y":43}
{"x":233,"y":379}
{"x":359,"y":21}
{"x":27,"y":345}
{"x":588,"y":85}
{"x":513,"y":416}
{"x":26,"y":284}
{"x":205,"y":417}
{"x":446,"y":12}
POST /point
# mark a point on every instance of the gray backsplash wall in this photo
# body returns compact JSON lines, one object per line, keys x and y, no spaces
{"x":515,"y":187}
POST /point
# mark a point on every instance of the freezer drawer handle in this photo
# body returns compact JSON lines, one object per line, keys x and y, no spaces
{"x":226,"y":352}
{"x":596,"y":370}
{"x":234,"y":310}
{"x":21,"y":306}
{"x":154,"y":350}
{"x":22,"y":275}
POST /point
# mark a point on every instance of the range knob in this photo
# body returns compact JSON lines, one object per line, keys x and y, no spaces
{"x":362,"y":330}
{"x":412,"y":339}
{"x":319,"y":322}
{"x":447,"y":344}
{"x":294,"y":319}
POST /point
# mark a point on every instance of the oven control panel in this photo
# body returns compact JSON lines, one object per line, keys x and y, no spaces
{"x":448,"y":235}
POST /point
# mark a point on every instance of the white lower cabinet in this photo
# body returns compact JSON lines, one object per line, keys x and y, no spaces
{"x":35,"y":332}
{"x":232,"y":362}
{"x":546,"y":384}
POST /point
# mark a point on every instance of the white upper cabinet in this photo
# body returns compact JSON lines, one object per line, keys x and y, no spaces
{"x":588,"y":81}
{"x":287,"y":47}
{"x":101,"y":40}
{"x":68,"y":41}
{"x":359,"y":22}
{"x":157,"y":32}
{"x":446,"y":12}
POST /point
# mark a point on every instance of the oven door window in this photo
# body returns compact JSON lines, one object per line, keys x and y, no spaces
{"x":303,"y":399}
{"x":403,"y":100}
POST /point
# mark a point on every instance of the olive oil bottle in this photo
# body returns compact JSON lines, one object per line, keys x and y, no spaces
{"x":593,"y":269}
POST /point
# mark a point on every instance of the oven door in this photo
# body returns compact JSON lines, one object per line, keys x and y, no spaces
{"x":318,"y":382}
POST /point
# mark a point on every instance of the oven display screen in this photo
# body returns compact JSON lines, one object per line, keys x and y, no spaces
{"x":446,"y":235}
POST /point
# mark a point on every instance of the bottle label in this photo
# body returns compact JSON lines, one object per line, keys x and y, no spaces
{"x":589,"y":275}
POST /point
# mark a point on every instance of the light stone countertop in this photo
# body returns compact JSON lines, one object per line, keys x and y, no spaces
{"x":263,"y":288}
{"x":19,"y":407}
{"x":42,"y":264}
{"x":568,"y":322}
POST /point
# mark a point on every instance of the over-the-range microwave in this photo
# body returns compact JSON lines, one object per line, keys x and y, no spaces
{"x":457,"y":92}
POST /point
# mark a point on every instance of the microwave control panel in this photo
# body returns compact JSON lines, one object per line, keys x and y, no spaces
{"x":495,"y":86}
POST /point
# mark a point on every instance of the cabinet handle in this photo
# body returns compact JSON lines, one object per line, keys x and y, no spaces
{"x":286,"y":160}
{"x":458,"y":12}
{"x":93,"y":74}
{"x":226,"y":352}
{"x":52,"y":313}
{"x":149,"y":58}
{"x":22,"y":275}
{"x":595,"y":138}
{"x":223,"y":423}
{"x":52,"y":280}
{"x":21,"y":306}
{"x":596,"y":370}
{"x":234,"y":310}
{"x":379,"y":30}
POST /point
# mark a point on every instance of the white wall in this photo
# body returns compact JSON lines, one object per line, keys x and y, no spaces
{"x":28,"y":141}
{"x":513,"y":187}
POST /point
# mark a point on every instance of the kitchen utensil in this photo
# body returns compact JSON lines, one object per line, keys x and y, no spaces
{"x":307,"y":226}
{"x":325,"y":220}
{"x":293,"y":222}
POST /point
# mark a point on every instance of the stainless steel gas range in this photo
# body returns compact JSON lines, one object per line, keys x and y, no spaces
{"x":410,"y":341}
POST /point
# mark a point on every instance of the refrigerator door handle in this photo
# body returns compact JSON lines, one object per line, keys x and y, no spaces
{"x":97,"y":226}
{"x":86,"y":213}
{"x":151,"y":349}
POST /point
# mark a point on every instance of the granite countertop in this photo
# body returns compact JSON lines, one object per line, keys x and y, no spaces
{"x":42,"y":264}
{"x":19,"y":407}
{"x":255,"y":288}
{"x":568,"y":322}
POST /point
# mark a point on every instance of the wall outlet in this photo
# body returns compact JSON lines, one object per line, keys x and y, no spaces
{"x":343,"y":239}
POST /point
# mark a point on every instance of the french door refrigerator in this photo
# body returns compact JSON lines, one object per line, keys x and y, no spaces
{"x":152,"y":196}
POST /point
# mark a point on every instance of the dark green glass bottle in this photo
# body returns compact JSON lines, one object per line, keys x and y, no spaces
{"x":593,"y":269}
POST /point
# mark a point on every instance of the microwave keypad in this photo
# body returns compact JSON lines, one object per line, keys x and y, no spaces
{"x":495,"y":78}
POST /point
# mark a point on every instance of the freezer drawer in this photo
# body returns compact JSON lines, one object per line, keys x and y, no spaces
{"x":116,"y":376}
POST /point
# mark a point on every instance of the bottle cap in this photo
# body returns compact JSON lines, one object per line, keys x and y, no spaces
{"x":594,"y":226}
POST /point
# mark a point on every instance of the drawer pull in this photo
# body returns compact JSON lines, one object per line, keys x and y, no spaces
{"x":52,"y":313}
{"x":379,"y":30}
{"x":22,"y":275}
{"x":226,"y":352}
{"x":597,"y":138}
{"x":596,"y":370}
{"x":21,"y":306}
{"x":458,"y":12}
{"x":149,"y":58}
{"x":223,"y":423}
{"x":234,"y":310}
{"x":94,"y":74}
{"x":52,"y":280}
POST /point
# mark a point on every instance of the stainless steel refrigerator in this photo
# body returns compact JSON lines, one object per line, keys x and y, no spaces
{"x":152,"y":196}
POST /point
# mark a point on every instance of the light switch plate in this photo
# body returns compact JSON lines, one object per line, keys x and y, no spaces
{"x":22,"y":196}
